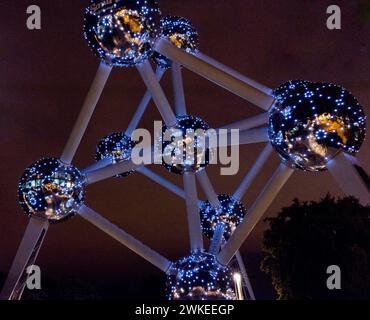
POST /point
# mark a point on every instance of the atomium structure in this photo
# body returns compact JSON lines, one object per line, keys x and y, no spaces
{"x":311,"y":126}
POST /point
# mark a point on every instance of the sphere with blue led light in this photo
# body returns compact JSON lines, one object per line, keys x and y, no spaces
{"x":230,"y":214}
{"x":51,"y":189}
{"x":311,"y":123}
{"x":122,"y":32}
{"x":199,"y":277}
{"x":117,"y":147}
{"x":184,"y":145}
{"x":181,"y":33}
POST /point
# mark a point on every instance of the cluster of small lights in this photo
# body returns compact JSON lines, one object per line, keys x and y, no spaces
{"x":199,"y":277}
{"x":231,"y":212}
{"x":181,"y":33}
{"x":312,"y":122}
{"x":190,"y":152}
{"x":122,"y":32}
{"x":117,"y":147}
{"x":51,"y":189}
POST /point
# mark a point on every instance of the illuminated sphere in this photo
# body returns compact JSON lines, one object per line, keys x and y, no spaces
{"x":231,"y":213}
{"x":122,"y":32}
{"x":199,"y":277}
{"x":51,"y":189}
{"x":312,"y":122}
{"x":185,"y":150}
{"x":181,"y":33}
{"x":117,"y":147}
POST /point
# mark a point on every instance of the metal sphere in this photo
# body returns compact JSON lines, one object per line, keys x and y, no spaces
{"x":184,"y":145}
{"x":231,"y":214}
{"x":199,"y":277}
{"x":312,"y":122}
{"x":181,"y":33}
{"x":122,"y":32}
{"x":117,"y":147}
{"x":51,"y":189}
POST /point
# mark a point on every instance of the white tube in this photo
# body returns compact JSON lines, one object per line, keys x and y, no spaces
{"x":238,"y":286}
{"x":253,"y":172}
{"x":162,"y":181}
{"x":195,"y":229}
{"x":249,"y":123}
{"x":110,"y":171}
{"x":360,"y":170}
{"x":178,"y":89}
{"x":214,"y":74}
{"x":254,"y":136}
{"x":235,"y":74}
{"x":86,"y":112}
{"x":160,"y":99}
{"x":217,"y":238}
{"x":236,"y":138}
{"x":25,"y":257}
{"x":126,"y":239}
{"x":244,"y":274}
{"x":143,"y":105}
{"x":208,"y":189}
{"x":348,"y":178}
{"x":97,"y":165}
{"x":255,"y":213}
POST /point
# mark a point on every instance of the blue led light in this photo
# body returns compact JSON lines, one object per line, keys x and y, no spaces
{"x":51,"y":189}
{"x":122,"y":32}
{"x":312,"y":122}
{"x":194,"y":156}
{"x":231,"y":213}
{"x":199,"y":277}
{"x":116,"y":146}
{"x":181,"y":33}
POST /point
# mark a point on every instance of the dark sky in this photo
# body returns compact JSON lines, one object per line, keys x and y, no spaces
{"x":44,"y":78}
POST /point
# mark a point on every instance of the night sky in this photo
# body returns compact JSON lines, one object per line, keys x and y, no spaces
{"x":45,"y":76}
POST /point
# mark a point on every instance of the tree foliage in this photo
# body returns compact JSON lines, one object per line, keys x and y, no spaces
{"x":307,"y":237}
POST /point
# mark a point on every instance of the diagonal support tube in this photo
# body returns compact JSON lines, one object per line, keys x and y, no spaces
{"x":25,"y":257}
{"x":348,"y":179}
{"x":214,"y":74}
{"x":208,"y":189}
{"x":249,"y":123}
{"x":143,"y":105}
{"x":178,"y":89}
{"x":234,"y":73}
{"x":86,"y":113}
{"x":217,"y":239}
{"x":97,"y":165}
{"x":255,"y":213}
{"x":123,"y":237}
{"x":160,"y":99}
{"x":110,"y":171}
{"x":228,"y":138}
{"x":253,"y":136}
{"x":360,"y":170}
{"x":245,"y":276}
{"x":162,"y":181}
{"x":253,"y":172}
{"x":194,"y":225}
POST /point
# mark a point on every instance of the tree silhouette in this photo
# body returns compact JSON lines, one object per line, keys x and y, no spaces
{"x":307,"y":237}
